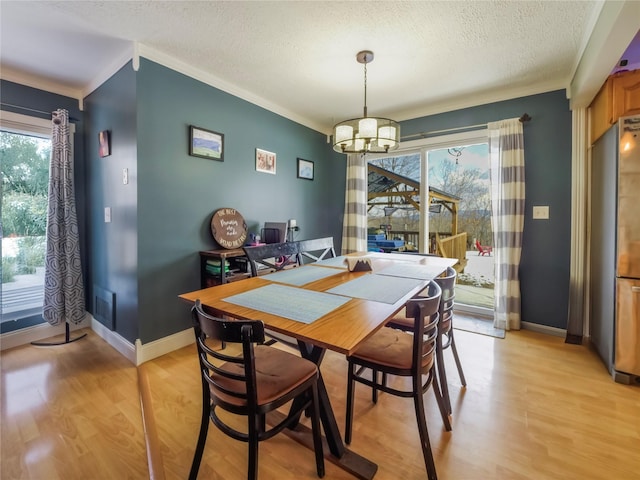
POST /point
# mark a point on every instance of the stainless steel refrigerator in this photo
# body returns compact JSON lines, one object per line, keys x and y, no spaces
{"x":615,"y":249}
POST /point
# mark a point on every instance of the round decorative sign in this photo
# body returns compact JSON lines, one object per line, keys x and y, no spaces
{"x":228,"y":228}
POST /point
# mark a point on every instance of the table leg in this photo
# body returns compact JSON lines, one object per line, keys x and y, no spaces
{"x":350,"y":461}
{"x":327,"y":417}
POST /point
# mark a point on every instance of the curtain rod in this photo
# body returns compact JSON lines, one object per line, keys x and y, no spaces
{"x":71,"y":119}
{"x":524,"y":118}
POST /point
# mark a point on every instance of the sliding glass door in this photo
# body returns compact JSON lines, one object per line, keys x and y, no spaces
{"x":25,"y":147}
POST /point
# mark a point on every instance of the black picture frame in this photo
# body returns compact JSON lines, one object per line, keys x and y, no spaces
{"x":104,"y":143}
{"x":305,"y":169}
{"x":205,"y":143}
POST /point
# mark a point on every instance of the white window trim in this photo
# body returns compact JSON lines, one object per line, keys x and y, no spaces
{"x":18,"y":123}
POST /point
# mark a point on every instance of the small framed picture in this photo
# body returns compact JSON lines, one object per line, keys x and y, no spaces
{"x":104,"y":145}
{"x":206,"y":144}
{"x":265,"y":161}
{"x":305,"y":169}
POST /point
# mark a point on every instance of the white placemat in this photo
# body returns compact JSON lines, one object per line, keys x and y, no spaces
{"x":412,"y":270}
{"x":289,"y":302}
{"x":335,"y":262}
{"x":379,"y":288}
{"x":301,"y":275}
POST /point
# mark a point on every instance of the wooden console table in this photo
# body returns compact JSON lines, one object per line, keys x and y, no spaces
{"x":237,"y":269}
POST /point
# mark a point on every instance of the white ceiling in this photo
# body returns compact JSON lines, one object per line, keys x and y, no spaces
{"x":297,"y":58}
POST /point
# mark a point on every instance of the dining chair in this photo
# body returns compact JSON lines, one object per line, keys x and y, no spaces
{"x":272,"y":257}
{"x":257,"y":381}
{"x":316,"y":249}
{"x":446,"y":339}
{"x":393,"y":352}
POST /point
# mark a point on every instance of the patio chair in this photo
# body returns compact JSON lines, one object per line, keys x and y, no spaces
{"x":483,"y":249}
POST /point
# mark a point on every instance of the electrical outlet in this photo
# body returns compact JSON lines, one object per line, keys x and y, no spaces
{"x":125,"y":176}
{"x":541,"y":212}
{"x":107,"y":214}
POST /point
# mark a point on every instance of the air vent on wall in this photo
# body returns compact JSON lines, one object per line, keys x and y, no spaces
{"x":104,"y":307}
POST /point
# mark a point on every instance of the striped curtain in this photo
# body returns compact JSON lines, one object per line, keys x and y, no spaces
{"x":63,"y":286}
{"x":506,"y":150}
{"x":354,"y":225}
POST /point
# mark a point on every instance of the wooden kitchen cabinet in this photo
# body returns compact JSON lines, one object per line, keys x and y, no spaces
{"x":618,"y":97}
{"x":626,"y":94}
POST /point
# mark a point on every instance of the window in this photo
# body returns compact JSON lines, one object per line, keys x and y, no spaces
{"x":462,"y":171}
{"x":25,"y":146}
{"x":456,"y":168}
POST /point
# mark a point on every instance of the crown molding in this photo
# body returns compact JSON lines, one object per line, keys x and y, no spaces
{"x":216,"y":82}
{"x":111,"y":69}
{"x":477,"y":99}
{"x":17,"y":76}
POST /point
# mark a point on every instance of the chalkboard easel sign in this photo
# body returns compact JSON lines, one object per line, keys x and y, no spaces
{"x":228,"y":228}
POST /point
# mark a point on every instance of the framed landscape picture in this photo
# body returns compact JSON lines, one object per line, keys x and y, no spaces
{"x":206,"y":144}
{"x":265,"y":161}
{"x":305,"y":169}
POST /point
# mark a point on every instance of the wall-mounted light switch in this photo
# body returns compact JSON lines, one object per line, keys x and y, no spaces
{"x":541,"y":212}
{"x":107,"y":214}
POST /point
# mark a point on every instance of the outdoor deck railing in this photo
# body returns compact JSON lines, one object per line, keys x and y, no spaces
{"x":454,"y":246}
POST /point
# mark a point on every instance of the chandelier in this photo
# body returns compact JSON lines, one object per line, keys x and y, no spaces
{"x":366,"y":134}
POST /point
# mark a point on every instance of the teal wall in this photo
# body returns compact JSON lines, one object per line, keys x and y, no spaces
{"x":546,"y":244}
{"x":148,"y":254}
{"x":113,"y":252}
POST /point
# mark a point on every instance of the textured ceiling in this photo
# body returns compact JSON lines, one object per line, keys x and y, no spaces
{"x":298,"y":58}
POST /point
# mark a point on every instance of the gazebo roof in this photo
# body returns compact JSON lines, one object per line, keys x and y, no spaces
{"x":400,"y":191}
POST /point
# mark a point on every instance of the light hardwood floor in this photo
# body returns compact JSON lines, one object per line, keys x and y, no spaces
{"x":534,"y":408}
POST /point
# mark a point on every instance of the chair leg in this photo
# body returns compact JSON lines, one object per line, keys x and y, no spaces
{"x":349,"y":417}
{"x":315,"y":429}
{"x":442,"y":374}
{"x":202,"y":436}
{"x":254,"y":425}
{"x":457,"y":359}
{"x":424,"y":434}
{"x":440,"y":400}
{"x":374,"y":389}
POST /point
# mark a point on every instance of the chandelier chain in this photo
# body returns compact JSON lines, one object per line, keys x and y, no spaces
{"x":365,"y":90}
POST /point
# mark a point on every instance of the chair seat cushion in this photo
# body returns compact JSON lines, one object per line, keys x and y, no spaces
{"x":406,"y":323}
{"x":277,"y":373}
{"x":391,"y":348}
{"x":400,"y":321}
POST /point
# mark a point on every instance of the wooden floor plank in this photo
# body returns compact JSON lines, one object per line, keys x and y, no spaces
{"x":534,"y":408}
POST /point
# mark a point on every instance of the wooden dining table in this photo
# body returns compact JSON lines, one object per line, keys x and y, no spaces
{"x":324,"y":306}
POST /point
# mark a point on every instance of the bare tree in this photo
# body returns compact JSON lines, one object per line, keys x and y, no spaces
{"x":474,"y":210}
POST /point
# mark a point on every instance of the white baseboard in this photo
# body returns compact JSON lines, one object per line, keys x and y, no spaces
{"x":136,"y":354}
{"x":117,"y":341}
{"x":157,"y":348}
{"x":38,"y":332}
{"x":534,"y":327}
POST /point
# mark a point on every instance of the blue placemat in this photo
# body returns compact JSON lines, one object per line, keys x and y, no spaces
{"x":379,"y":288}
{"x":412,"y":270}
{"x":301,"y":275}
{"x":335,"y":262}
{"x":289,"y":302}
